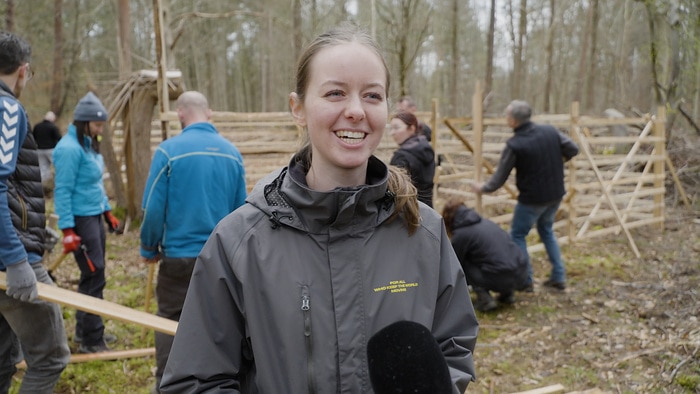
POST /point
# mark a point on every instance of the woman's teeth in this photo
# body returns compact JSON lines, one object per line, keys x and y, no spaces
{"x":350,"y":137}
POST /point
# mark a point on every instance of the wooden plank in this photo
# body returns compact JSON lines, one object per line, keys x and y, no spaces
{"x":100,"y":307}
{"x":557,"y":388}
{"x":105,"y":356}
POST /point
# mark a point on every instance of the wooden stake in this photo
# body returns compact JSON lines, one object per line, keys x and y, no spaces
{"x":149,"y":293}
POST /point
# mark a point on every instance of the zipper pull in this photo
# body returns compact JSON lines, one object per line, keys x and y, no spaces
{"x":305,"y":303}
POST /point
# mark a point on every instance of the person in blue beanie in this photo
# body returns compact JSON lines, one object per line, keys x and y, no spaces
{"x":29,"y":327}
{"x":81,"y":203}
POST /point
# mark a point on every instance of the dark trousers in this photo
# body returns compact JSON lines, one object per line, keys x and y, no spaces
{"x":35,"y":331}
{"x":501,"y":282}
{"x":92,"y":275}
{"x":173,"y":280}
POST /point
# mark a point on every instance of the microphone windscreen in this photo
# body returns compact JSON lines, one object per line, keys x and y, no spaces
{"x":404,"y":357}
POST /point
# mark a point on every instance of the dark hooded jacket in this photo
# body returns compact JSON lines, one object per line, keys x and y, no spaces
{"x":417,"y":157}
{"x":481,"y":242}
{"x":290,"y":287}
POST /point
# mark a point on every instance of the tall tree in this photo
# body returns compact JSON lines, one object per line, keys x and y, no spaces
{"x":488,"y":83}
{"x":407,"y":25}
{"x":549,"y":54}
{"x":591,"y":71}
{"x":57,"y":75}
{"x":455,"y":59}
{"x":124,"y":38}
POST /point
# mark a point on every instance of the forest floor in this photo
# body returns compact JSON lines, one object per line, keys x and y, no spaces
{"x":623,"y":325}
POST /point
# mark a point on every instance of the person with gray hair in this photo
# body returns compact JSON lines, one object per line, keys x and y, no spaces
{"x":537,"y":152}
{"x":195,"y":180}
{"x":28,"y":326}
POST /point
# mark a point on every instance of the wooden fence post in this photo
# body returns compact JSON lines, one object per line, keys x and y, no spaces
{"x":570,"y":205}
{"x":659,"y":163}
{"x":478,"y":129}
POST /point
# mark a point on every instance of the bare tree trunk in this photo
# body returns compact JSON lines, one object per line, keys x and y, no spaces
{"x":582,"y":57}
{"x":57,"y":75}
{"x":591,"y":72}
{"x":490,"y":42}
{"x":454,"y":67}
{"x":296,"y":28}
{"x":138,"y":152}
{"x":549,"y":54}
{"x":124,"y":39}
{"x":10,"y":15}
{"x":518,"y":60}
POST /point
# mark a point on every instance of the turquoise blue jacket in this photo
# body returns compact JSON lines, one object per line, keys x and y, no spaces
{"x":195,"y":180}
{"x":79,"y":189}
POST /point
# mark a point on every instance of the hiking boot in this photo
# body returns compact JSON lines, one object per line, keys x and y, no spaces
{"x":526,"y":288}
{"x":484,"y":301}
{"x":507,"y":298}
{"x":100,"y":347}
{"x":555,"y":284}
{"x":107,"y":338}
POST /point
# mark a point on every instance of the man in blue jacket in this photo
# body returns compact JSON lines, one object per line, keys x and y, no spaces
{"x":36,"y":326}
{"x":195,"y":180}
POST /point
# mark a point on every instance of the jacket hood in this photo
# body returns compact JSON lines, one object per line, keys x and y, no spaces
{"x":419,"y":147}
{"x":465,"y":217}
{"x":287,"y":200}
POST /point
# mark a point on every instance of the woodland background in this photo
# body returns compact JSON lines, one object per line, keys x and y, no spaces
{"x":632,"y":55}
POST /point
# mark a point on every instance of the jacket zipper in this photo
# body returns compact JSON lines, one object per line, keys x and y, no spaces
{"x":24,"y":211}
{"x":306,"y":311}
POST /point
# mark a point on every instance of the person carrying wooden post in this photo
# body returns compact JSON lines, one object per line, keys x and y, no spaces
{"x":28,"y":326}
{"x":195,"y":180}
{"x":537,"y":152}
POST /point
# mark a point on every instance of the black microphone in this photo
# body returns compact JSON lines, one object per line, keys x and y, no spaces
{"x":404,"y":357}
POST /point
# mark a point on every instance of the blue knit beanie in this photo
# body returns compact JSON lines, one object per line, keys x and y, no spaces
{"x":90,"y":109}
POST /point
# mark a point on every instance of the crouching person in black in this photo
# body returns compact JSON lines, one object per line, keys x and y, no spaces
{"x":490,"y":259}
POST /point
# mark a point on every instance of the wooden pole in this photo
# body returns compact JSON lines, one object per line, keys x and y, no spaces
{"x":161,"y":62}
{"x":149,"y":293}
{"x":478,"y":128}
{"x":659,"y":162}
{"x":105,"y":356}
{"x":100,"y":307}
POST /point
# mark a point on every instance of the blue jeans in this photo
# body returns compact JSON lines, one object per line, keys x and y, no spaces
{"x":35,"y":331}
{"x":524,"y":217}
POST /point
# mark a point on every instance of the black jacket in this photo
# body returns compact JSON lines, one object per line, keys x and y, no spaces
{"x":481,"y":242}
{"x":46,"y":134}
{"x":417,"y":157}
{"x":540,"y":152}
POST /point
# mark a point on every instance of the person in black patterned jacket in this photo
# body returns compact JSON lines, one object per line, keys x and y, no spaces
{"x":28,"y":326}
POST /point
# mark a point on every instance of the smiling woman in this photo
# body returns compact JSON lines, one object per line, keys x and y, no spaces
{"x":296,"y":281}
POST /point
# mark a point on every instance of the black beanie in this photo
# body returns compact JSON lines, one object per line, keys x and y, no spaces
{"x":90,"y":109}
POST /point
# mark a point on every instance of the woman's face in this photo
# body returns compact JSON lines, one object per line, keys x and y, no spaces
{"x":344,"y":110}
{"x":96,"y":128}
{"x":400,"y":131}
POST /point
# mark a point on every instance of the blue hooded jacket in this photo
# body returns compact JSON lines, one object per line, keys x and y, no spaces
{"x":79,"y":187}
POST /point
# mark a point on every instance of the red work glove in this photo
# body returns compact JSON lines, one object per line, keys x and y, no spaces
{"x":112,"y":222}
{"x":71,"y":241}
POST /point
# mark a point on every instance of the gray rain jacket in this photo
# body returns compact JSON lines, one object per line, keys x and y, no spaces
{"x":290,"y":287}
